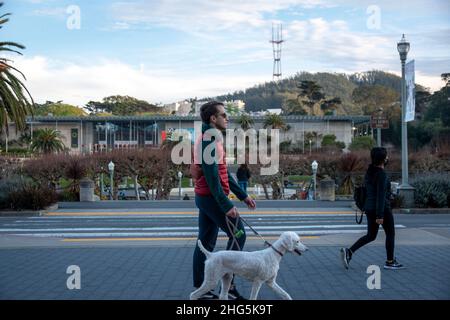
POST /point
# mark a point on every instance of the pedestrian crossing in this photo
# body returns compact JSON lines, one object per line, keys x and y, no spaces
{"x":175,"y":225}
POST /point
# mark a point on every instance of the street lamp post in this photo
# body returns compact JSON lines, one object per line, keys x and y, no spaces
{"x":405,"y":190}
{"x":314,"y":166}
{"x":101,"y":183}
{"x":180,"y":175}
{"x":111,"y":172}
{"x":310,"y":144}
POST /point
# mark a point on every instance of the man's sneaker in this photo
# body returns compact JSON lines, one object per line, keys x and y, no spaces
{"x":346,"y":257}
{"x":233,"y":294}
{"x":393,"y":265}
{"x":209,"y":296}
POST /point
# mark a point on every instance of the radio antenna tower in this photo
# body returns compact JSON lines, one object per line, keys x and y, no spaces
{"x":277,"y":40}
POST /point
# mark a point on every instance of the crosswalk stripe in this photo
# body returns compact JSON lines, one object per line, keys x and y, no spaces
{"x":130,"y":213}
{"x":337,"y":226}
{"x":174,"y":234}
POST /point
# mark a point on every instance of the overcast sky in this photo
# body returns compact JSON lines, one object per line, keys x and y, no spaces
{"x":168,"y":50}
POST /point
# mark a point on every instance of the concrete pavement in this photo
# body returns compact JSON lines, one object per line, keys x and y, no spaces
{"x":162,"y":269}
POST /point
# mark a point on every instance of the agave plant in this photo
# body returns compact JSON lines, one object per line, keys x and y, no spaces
{"x":15,"y":99}
{"x":47,"y":141}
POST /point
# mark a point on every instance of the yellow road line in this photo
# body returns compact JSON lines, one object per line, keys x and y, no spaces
{"x":131,"y":213}
{"x":163,"y":239}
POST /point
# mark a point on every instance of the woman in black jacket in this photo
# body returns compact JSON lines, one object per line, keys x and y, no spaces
{"x":378,"y":210}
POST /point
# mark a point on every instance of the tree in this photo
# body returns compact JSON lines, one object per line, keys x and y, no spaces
{"x":372,"y":97}
{"x":329,"y":106}
{"x":362,"y":143}
{"x":47,"y":141}
{"x":446,"y":78}
{"x":439,"y":107}
{"x":275,"y":121}
{"x":293,"y":107}
{"x":231,"y":109}
{"x":245,"y":121}
{"x":121,"y":105}
{"x":329,"y":140}
{"x":311,"y":91}
{"x":58,"y":109}
{"x":14,"y":103}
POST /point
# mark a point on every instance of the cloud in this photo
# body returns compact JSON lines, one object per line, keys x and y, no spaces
{"x":203,"y":15}
{"x":50,"y":12}
{"x":77,"y":84}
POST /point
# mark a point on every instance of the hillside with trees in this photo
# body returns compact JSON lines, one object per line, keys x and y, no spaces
{"x":347,"y":90}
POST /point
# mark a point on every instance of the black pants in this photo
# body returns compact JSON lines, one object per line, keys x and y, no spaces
{"x":210,"y":219}
{"x":372,"y":231}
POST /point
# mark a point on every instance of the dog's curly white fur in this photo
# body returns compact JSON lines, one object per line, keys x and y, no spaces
{"x":257,"y":266}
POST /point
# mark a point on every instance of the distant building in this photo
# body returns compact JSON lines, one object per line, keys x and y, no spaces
{"x":95,"y":133}
{"x":275,"y":111}
{"x":181,"y":108}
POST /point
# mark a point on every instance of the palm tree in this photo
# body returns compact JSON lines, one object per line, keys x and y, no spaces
{"x":14,"y":104}
{"x":47,"y":141}
{"x":245,"y":121}
{"x":275,"y":121}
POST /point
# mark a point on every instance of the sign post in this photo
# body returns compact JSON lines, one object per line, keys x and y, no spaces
{"x":379,"y":121}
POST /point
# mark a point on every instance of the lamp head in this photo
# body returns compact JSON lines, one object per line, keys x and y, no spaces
{"x":403,"y":48}
{"x":111,"y":166}
{"x":314,"y":165}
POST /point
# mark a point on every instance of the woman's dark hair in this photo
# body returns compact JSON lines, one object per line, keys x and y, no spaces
{"x":209,"y":109}
{"x":378,"y":155}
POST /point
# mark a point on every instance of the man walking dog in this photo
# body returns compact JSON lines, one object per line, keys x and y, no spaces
{"x":213,"y":183}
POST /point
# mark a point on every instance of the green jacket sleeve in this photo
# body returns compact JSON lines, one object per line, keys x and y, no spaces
{"x":235,"y":188}
{"x":211,"y":173}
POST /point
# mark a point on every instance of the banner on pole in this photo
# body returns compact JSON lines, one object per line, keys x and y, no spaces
{"x":410,"y":92}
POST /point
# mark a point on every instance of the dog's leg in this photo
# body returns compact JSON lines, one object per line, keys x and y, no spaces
{"x":278,"y":290}
{"x":206,"y":286}
{"x":226,"y":284}
{"x":209,"y":283}
{"x":255,"y":289}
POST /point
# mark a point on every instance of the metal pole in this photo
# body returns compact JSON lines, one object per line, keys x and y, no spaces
{"x":378,"y":137}
{"x":303,"y":136}
{"x":314,"y":193}
{"x":111,"y":185}
{"x":179,"y":188}
{"x":101,"y":185}
{"x":404,"y":131}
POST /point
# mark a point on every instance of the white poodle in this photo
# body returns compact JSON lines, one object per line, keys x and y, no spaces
{"x":258,"y":266}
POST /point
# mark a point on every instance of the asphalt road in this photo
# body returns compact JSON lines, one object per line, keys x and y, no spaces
{"x":179,"y":224}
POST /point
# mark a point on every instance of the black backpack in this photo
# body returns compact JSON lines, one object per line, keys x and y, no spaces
{"x":359,"y":195}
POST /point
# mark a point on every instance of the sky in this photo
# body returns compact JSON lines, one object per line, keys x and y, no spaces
{"x":164,"y":51}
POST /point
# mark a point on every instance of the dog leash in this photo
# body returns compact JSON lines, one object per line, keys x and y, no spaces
{"x":265,"y":241}
{"x":254,"y":231}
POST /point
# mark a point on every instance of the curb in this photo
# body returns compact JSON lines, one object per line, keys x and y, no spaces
{"x":28,"y":213}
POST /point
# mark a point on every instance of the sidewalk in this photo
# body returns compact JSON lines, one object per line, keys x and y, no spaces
{"x":163,"y":270}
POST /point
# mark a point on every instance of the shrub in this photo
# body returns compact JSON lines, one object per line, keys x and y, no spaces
{"x":33,"y":197}
{"x":7,"y":186}
{"x":362,"y":143}
{"x":432,"y":191}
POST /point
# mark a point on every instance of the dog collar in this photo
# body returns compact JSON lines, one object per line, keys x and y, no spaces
{"x":276,"y":250}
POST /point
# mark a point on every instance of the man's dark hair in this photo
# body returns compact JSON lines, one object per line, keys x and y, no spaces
{"x":209,"y":109}
{"x":378,"y":155}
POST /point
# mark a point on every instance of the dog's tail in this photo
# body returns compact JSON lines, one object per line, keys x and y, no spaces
{"x":202,"y":248}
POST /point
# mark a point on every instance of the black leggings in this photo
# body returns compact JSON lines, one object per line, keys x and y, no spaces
{"x":372,"y":231}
